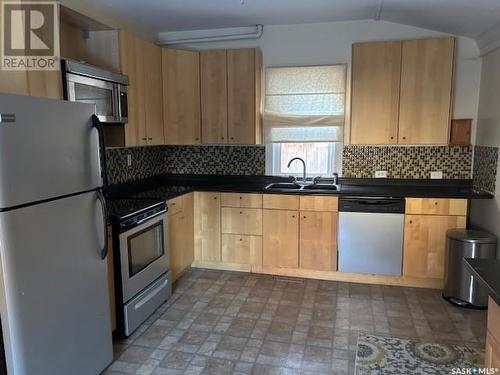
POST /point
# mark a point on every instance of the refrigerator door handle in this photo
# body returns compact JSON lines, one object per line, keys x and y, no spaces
{"x":104,"y":251}
{"x":102,"y":149}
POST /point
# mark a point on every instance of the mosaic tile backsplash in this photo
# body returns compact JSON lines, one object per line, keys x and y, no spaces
{"x":407,"y":161}
{"x":485,"y":168}
{"x":153,"y":160}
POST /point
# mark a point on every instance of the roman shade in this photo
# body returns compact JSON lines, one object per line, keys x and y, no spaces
{"x":304,"y":104}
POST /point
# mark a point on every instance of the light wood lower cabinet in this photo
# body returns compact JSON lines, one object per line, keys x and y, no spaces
{"x":207,"y":228}
{"x":241,"y":249}
{"x":280,"y":238}
{"x":318,"y":240}
{"x":181,"y":234}
{"x":242,"y":221}
{"x":425,"y":244}
{"x":492,"y":353}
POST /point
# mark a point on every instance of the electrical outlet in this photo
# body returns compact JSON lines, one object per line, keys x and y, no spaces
{"x":436,"y":175}
{"x":380,"y":174}
{"x":129,"y":160}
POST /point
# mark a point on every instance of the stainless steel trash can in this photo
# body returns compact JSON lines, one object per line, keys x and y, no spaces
{"x":460,"y":288}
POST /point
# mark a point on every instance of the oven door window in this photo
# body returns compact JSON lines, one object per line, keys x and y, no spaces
{"x":145,"y":247}
{"x":101,"y":97}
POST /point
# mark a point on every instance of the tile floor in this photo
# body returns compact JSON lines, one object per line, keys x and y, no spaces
{"x":237,"y":323}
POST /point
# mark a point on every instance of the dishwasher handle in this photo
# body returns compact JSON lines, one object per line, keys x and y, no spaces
{"x":372,"y":205}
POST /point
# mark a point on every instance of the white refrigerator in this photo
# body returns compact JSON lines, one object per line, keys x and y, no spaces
{"x":54,"y":305}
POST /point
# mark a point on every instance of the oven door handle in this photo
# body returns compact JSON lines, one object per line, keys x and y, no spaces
{"x":150,"y":217}
{"x":104,"y":251}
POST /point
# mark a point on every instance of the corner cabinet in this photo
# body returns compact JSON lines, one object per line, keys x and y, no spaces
{"x":181,"y":96}
{"x":402,"y":91}
{"x":230,"y":96}
{"x":141,"y":61}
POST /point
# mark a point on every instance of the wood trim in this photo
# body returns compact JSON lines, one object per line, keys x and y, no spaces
{"x":222,"y":266}
{"x":350,"y":277}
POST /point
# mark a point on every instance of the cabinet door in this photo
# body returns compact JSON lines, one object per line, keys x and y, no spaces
{"x":242,"y":249}
{"x":241,"y":96}
{"x":492,"y":352}
{"x":242,"y":200}
{"x":426,"y":86}
{"x":181,"y":237}
{"x":132,"y":64}
{"x":181,"y":96}
{"x":318,"y":240}
{"x":280,"y":238}
{"x":376,"y":72}
{"x":425,"y":244}
{"x":213,"y":77}
{"x":207,"y":229}
{"x":153,"y":93}
{"x":242,"y":220}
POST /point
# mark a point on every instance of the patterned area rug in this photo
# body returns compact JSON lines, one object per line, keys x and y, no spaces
{"x":390,"y":355}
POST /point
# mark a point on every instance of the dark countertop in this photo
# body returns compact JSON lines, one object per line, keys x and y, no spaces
{"x":487,"y":272}
{"x":170,"y":186}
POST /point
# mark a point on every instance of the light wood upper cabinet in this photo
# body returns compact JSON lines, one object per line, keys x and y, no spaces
{"x":243,"y":96}
{"x":425,"y":244}
{"x":207,"y":228}
{"x":213,"y":77}
{"x":153,"y":93}
{"x":318,"y":240}
{"x":401,"y":91}
{"x":426,"y":88}
{"x":280,"y":238}
{"x":141,"y":61}
{"x":376,"y":72}
{"x":47,"y":84}
{"x":181,"y":234}
{"x":181,"y":96}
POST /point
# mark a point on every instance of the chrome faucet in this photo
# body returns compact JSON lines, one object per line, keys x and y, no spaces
{"x":304,"y":165}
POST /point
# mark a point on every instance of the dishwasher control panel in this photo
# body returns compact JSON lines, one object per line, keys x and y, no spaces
{"x":372,"y":204}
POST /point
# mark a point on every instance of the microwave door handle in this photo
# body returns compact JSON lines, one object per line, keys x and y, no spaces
{"x":116,"y":102}
{"x":104,"y":251}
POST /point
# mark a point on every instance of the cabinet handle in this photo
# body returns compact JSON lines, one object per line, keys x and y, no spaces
{"x":232,"y":138}
{"x":241,"y":197}
{"x":392,"y":137}
{"x":173,"y":204}
{"x":215,"y":197}
{"x":197,"y":139}
{"x":404,"y":137}
{"x":411,"y":221}
{"x":222,"y":138}
{"x":241,"y":212}
{"x":304,"y":217}
{"x":293,"y":216}
{"x":435,"y":203}
{"x":150,"y":139}
{"x":241,"y":239}
{"x":144,"y":139}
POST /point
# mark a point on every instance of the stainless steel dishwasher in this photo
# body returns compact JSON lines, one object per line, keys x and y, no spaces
{"x":371,"y":235}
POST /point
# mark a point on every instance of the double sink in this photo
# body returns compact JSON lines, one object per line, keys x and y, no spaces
{"x":292,"y":186}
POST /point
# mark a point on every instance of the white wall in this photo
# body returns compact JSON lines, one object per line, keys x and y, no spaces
{"x":486,"y":213}
{"x":330,"y":43}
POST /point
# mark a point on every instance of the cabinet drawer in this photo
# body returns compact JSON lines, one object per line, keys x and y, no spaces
{"x":242,"y":220}
{"x":175,"y":205}
{"x":241,"y":249}
{"x":432,"y":206}
{"x":280,"y":201}
{"x":242,"y":200}
{"x":494,"y":318}
{"x":319,"y":203}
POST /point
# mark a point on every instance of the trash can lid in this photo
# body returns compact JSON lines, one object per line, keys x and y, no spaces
{"x":473,"y":236}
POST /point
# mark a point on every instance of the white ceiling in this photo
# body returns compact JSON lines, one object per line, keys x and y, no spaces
{"x":461,"y":17}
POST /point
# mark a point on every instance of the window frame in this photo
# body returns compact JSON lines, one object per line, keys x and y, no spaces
{"x":334,"y":160}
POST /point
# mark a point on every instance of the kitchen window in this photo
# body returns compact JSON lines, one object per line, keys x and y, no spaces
{"x":304,"y":117}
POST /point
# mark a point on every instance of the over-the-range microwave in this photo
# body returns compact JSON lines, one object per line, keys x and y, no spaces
{"x":89,"y":84}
